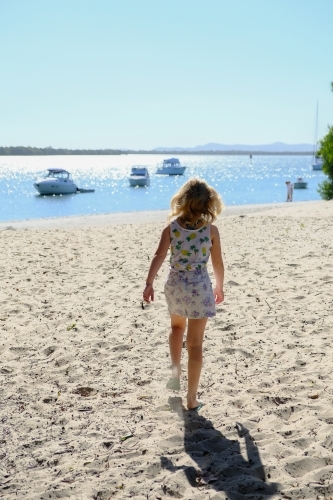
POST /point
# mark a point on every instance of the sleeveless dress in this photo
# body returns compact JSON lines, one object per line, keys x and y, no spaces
{"x":188,"y":289}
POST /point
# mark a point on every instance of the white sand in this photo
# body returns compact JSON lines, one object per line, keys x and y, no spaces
{"x":71,"y":318}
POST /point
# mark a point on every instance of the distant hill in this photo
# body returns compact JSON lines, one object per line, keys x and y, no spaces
{"x":275,"y":147}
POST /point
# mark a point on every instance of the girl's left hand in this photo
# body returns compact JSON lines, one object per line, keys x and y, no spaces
{"x":148,"y":294}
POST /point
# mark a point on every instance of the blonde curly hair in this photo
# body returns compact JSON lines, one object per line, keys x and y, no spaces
{"x":196,"y":200}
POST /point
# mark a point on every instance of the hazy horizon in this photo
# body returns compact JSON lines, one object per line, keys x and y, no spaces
{"x":278,"y":147}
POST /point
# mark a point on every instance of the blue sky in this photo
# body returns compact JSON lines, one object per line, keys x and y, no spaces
{"x":140,"y":74}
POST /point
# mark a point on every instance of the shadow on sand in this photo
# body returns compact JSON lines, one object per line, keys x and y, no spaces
{"x":221,"y":466}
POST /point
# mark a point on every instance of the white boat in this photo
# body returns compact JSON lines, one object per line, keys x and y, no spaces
{"x":300,"y":184}
{"x":317,"y":162}
{"x":56,"y":181}
{"x":172,"y":166}
{"x":139,"y":177}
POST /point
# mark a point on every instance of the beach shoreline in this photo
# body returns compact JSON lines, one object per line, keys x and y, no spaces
{"x":84,"y":412}
{"x":149,"y":216}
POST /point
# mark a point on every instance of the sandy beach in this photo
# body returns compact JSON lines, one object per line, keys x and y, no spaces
{"x":84,"y":412}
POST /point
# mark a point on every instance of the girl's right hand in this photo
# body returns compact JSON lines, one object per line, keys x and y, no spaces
{"x":148,"y":294}
{"x":219,"y":295}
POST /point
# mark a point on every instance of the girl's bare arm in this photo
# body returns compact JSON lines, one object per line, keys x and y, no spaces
{"x":157,"y":261}
{"x":218,"y":266}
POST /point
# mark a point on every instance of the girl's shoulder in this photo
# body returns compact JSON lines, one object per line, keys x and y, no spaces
{"x":165,"y":236}
{"x":214,"y":232}
{"x":175,"y":225}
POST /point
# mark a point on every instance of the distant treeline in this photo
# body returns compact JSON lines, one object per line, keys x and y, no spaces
{"x":28,"y":151}
{"x":23,"y":151}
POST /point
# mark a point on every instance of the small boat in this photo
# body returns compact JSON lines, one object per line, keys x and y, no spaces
{"x":58,"y":181}
{"x":172,"y":166}
{"x":317,"y":162}
{"x":300,"y":184}
{"x":139,"y":177}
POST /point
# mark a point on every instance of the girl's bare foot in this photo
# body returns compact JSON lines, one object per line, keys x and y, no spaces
{"x":173,"y":384}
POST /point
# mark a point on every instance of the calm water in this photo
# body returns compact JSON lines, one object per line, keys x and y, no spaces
{"x":237,"y":180}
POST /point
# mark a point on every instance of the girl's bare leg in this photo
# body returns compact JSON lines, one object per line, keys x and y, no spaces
{"x":194,"y":340}
{"x":178,"y":325}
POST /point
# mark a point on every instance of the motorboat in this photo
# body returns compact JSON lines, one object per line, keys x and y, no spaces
{"x":171,"y":166}
{"x":317,"y":162}
{"x":55,"y":181}
{"x":58,"y":181}
{"x":300,"y":184}
{"x":139,"y":177}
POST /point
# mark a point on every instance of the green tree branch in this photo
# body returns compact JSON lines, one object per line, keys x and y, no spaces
{"x":325,"y":188}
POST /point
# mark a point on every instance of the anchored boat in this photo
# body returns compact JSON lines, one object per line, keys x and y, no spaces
{"x":172,"y":166}
{"x":139,"y":177}
{"x":58,"y":181}
{"x":300,"y":184}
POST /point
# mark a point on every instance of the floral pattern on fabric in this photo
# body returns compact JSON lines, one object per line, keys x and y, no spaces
{"x":188,"y":289}
{"x":190,"y":294}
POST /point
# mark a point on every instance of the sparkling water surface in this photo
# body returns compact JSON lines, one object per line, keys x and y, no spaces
{"x":238,"y":179}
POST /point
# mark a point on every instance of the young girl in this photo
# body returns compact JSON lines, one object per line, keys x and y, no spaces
{"x":192,"y":238}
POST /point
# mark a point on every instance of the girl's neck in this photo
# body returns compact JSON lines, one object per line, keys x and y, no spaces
{"x":191,"y":225}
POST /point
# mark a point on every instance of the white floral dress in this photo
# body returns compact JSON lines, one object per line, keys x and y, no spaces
{"x":188,"y":289}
